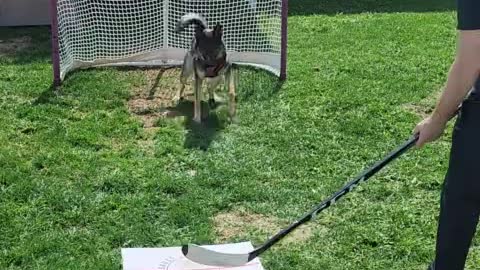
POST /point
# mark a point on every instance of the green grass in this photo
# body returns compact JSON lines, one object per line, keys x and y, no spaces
{"x":80,"y":178}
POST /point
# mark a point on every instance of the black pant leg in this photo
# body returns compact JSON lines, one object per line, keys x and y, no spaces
{"x":460,"y":202}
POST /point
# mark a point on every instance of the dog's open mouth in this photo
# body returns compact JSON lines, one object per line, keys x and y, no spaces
{"x":212,"y":70}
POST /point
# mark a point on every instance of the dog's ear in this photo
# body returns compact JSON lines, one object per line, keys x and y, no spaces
{"x":218,"y":30}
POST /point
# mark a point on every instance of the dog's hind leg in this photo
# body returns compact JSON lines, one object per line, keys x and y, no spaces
{"x":181,"y":94}
{"x":232,"y":93}
{"x":197,"y":113}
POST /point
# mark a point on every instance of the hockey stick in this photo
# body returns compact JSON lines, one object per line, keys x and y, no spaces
{"x":206,"y":256}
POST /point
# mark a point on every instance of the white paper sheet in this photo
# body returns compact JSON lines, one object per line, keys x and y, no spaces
{"x":171,"y":258}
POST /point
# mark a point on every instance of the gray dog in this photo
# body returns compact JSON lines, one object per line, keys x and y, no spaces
{"x":206,"y":60}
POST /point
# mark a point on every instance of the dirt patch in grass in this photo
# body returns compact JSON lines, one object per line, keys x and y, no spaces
{"x":424,"y":107}
{"x":147,"y":146}
{"x":153,"y":98}
{"x":241,"y":223}
{"x":147,"y":141}
{"x":421,"y":110}
{"x":156,"y":94}
{"x":12,"y":46}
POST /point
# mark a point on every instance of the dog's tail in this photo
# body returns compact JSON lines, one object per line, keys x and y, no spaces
{"x":191,"y":18}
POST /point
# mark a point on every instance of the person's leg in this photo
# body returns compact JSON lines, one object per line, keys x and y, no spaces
{"x":460,"y":202}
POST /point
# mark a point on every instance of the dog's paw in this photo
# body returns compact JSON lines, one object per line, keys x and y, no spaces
{"x":178,"y":99}
{"x":197,"y":119}
{"x":211,"y":103}
{"x":234,"y":120}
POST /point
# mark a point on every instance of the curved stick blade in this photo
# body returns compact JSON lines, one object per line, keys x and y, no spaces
{"x":210,"y":257}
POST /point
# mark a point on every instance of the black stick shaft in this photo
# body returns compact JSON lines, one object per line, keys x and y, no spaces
{"x":364,"y":176}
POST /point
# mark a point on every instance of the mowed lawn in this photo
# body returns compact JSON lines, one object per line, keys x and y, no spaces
{"x":81,"y":178}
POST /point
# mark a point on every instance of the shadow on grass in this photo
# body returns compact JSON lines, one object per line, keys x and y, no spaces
{"x":330,"y":7}
{"x":199,"y":135}
{"x":25,"y":45}
{"x":47,"y":96}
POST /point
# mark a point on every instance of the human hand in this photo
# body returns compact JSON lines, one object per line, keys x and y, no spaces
{"x":429,"y":130}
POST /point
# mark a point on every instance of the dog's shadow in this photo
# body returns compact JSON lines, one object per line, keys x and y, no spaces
{"x":199,"y":135}
{"x":254,"y":86}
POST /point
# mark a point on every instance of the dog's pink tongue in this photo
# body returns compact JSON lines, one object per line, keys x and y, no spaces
{"x":211,"y":72}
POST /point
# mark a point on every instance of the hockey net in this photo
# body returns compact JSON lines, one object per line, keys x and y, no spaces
{"x":142,"y":32}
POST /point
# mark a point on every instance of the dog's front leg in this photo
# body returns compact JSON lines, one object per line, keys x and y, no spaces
{"x":187,"y":71}
{"x":197,"y":114}
{"x":211,"y":96}
{"x":232,"y":93}
{"x":213,"y":85}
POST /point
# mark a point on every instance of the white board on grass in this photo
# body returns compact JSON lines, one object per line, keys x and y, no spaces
{"x":171,"y":258}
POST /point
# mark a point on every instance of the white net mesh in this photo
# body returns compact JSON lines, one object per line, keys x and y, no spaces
{"x":141,"y":32}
